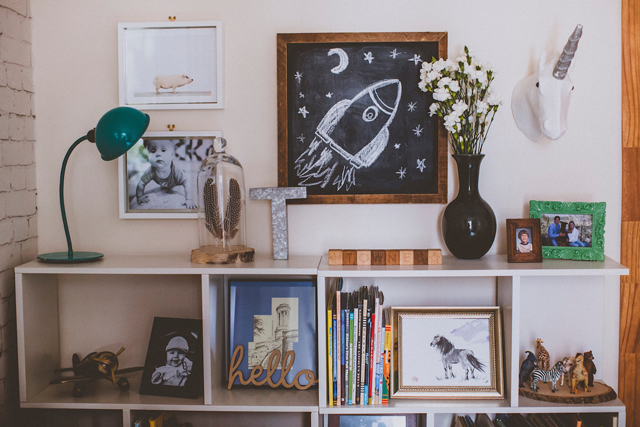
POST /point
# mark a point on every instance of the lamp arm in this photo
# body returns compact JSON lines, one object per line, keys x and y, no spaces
{"x":64,"y":215}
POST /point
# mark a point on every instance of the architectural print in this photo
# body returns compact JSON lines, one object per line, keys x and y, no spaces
{"x":277,"y":331}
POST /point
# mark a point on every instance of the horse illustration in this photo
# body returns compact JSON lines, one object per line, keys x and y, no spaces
{"x":452,"y":355}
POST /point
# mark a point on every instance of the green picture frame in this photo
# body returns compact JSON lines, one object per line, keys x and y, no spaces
{"x":590,"y":245}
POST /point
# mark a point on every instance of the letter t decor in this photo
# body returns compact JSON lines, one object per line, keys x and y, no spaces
{"x":278,"y":197}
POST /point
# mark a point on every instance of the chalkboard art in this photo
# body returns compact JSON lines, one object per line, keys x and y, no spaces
{"x":353,"y":125}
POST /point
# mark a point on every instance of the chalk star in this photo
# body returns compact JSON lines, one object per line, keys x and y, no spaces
{"x":369,"y":57}
{"x":396,"y":146}
{"x":329,"y":95}
{"x":416,"y":59}
{"x":298,"y":76}
{"x":303,"y":111}
{"x":394,"y":53}
{"x":301,"y":138}
{"x":417,"y":130}
{"x":301,"y":95}
{"x":402,"y":172}
{"x":421,"y":165}
{"x":412,"y":106}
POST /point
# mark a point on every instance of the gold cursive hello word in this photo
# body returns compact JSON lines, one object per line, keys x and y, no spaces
{"x":272,"y":366}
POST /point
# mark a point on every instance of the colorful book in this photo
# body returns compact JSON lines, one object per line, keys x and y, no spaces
{"x":354,"y":344}
{"x":343,"y":347}
{"x":335,"y":359}
{"x":330,"y":352}
{"x":350,"y":358}
{"x":386,"y":370}
{"x":363,"y":345}
{"x":338,"y":348}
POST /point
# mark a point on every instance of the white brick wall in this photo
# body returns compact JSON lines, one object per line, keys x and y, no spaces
{"x":18,"y":227}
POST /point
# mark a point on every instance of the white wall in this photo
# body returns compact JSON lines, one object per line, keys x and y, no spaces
{"x":76,"y":78}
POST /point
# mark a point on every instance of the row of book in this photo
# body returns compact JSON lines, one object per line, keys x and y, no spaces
{"x":592,"y":419}
{"x":358,"y":347}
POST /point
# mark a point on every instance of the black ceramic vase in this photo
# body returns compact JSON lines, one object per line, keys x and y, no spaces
{"x":468,"y":224}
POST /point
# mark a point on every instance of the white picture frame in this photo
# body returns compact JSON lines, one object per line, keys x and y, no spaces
{"x":190,"y":149}
{"x":170,"y":65}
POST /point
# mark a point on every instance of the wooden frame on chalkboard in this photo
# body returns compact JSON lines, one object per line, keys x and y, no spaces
{"x":353,"y":126}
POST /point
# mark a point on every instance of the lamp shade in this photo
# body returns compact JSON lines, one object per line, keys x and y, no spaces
{"x":118,"y":130}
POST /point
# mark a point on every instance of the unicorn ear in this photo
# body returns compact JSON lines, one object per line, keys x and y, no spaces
{"x":543,"y":59}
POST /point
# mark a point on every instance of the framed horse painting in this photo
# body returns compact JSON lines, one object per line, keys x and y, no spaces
{"x":447,"y":353}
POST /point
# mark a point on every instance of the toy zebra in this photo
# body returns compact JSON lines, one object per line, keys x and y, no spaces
{"x":552,"y":375}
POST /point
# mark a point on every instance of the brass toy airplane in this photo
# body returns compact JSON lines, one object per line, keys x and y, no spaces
{"x":96,"y":365}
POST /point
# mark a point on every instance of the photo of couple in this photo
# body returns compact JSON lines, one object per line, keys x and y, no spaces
{"x":566,"y":230}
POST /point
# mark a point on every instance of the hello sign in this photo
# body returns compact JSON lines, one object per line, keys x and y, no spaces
{"x":272,"y":367}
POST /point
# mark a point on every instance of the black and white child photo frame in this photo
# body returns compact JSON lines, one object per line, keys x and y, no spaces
{"x":174,"y":366}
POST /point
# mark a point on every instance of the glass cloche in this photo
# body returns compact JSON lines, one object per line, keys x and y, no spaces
{"x":221,"y":210}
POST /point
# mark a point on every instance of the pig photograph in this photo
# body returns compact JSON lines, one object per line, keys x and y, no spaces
{"x":170,"y":67}
{"x":171,"y":82}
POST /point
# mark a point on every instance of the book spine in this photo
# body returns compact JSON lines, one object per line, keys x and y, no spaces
{"x":343,"y":347}
{"x":356,"y":324}
{"x":377,"y":366}
{"x":386,"y":371}
{"x":367,"y":349}
{"x":378,"y":353}
{"x":330,"y":355}
{"x":335,"y":360}
{"x":338,"y":350}
{"x":359,"y":349}
{"x":350,"y":360}
{"x":372,"y":346}
{"x":363,"y":351}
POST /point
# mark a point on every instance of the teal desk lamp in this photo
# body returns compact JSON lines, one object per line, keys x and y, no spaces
{"x":117,"y":131}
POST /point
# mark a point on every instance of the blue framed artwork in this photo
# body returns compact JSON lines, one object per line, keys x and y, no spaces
{"x":273,"y":315}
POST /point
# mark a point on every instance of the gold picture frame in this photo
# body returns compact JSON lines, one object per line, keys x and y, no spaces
{"x":425,"y":338}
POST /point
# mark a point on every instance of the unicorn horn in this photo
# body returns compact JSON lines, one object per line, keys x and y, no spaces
{"x":569,"y":51}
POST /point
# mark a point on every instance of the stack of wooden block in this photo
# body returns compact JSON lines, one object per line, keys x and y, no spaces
{"x":385,"y":257}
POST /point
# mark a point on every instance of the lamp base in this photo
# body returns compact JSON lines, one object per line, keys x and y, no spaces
{"x":64,"y":258}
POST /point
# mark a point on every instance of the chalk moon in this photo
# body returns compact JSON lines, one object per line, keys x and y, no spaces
{"x":344,"y":60}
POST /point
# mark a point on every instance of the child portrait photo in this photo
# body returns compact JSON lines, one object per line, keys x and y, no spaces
{"x":161,"y":172}
{"x":524,"y":240}
{"x":173,"y":366}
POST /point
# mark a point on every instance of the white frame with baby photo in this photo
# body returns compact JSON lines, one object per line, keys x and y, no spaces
{"x":132,"y":166}
{"x":170,"y":65}
{"x":162,"y":375}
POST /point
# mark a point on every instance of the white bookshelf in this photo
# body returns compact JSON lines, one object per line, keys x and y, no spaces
{"x":111,"y":303}
{"x":526,"y":312}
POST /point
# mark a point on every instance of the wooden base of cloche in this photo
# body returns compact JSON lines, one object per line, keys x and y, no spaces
{"x":599,"y":393}
{"x":214,"y":255}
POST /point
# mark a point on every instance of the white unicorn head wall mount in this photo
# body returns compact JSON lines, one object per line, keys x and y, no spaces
{"x":540,"y":102}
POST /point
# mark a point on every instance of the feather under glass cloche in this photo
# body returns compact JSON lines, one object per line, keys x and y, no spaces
{"x":221,"y":210}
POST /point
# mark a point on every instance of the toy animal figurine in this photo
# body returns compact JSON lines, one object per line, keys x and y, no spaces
{"x":542,"y":356}
{"x":589,"y":366}
{"x":527,"y":367}
{"x":540,"y":102}
{"x":102,"y":365}
{"x":545,"y":376}
{"x":567,"y":367}
{"x":579,"y":374}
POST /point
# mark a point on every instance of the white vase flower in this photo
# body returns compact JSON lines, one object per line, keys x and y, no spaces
{"x":463,"y":99}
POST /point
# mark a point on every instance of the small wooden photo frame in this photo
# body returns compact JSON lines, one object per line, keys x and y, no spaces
{"x":523,"y":240}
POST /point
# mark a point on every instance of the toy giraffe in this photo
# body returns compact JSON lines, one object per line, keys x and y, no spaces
{"x":542,"y":356}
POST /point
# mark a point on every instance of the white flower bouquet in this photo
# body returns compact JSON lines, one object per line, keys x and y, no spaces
{"x":464,"y":99}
